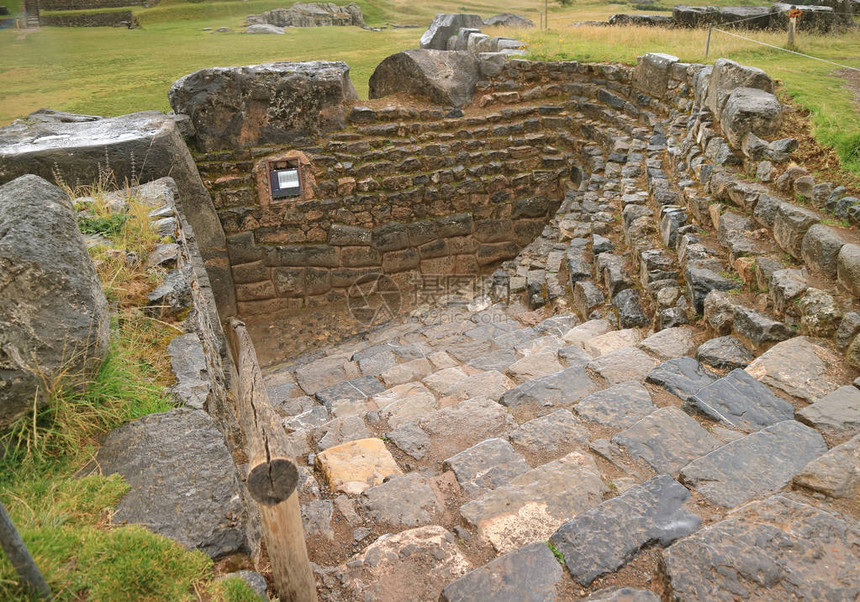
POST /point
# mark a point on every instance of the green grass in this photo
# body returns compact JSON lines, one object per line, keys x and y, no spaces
{"x":111,"y":71}
{"x":64,"y":519}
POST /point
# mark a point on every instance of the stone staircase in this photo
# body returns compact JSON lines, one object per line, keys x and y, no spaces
{"x":578,"y":432}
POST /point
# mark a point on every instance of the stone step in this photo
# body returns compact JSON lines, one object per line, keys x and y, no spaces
{"x":605,"y":538}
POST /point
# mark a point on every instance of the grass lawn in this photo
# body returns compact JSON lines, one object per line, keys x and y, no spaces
{"x":110,"y":71}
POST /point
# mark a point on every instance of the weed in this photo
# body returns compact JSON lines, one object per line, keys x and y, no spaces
{"x":234,"y":589}
{"x":556,"y":552}
{"x":842,"y":223}
{"x":102,"y":226}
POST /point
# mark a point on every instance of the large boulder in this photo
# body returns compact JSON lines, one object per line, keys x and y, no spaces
{"x":139,"y":147}
{"x":272,"y":103}
{"x":183,"y":482}
{"x":727,"y":76}
{"x":446,"y":25}
{"x":843,"y":10}
{"x":817,"y":19}
{"x":508,"y":20}
{"x":443,"y":77}
{"x":311,"y":14}
{"x":53,"y":311}
{"x":652,"y":73}
{"x":750,"y":110}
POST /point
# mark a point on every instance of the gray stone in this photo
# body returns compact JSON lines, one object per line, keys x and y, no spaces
{"x":423,"y":559}
{"x":444,"y":26}
{"x":529,"y":574}
{"x":820,"y":315}
{"x":734,"y":234}
{"x":309,"y":419}
{"x":75,"y":151}
{"x":357,"y":389}
{"x":682,"y":376}
{"x":605,"y":538}
{"x":760,"y":463}
{"x":848,"y":268}
{"x":272,"y":103}
{"x":402,"y":501}
{"x":443,"y":430}
{"x":742,"y":402}
{"x":183,"y":483}
{"x":836,"y":473}
{"x":316,"y":519}
{"x":163,"y":255}
{"x":702,"y":281}
{"x":324,"y":372}
{"x":534,"y":504}
{"x":172,"y":297}
{"x":534,"y":365}
{"x":622,"y":365}
{"x":188,"y":362}
{"x":672,"y":317}
{"x":670,"y":343}
{"x":758,"y":328}
{"x":376,"y":364}
{"x":555,"y":433}
{"x":652,"y":73}
{"x":587,"y":297}
{"x":629,"y":307}
{"x":264,"y":28}
{"x":498,"y":360}
{"x":619,"y":406}
{"x":836,"y":414}
{"x":719,"y":311}
{"x":750,"y":110}
{"x":667,"y":440}
{"x":724,"y":353}
{"x":312,"y":14}
{"x":340,"y":430}
{"x":799,"y":367}
{"x":53,"y":310}
{"x":848,"y":329}
{"x":443,"y":77}
{"x":766,"y":210}
{"x":562,"y":388}
{"x":774,"y":545}
{"x":785,"y":287}
{"x":485,"y":466}
{"x":790,"y":226}
{"x":727,"y":76}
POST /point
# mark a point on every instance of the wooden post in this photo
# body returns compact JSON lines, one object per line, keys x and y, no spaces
{"x":18,"y":554}
{"x":272,"y":475}
{"x":546,"y":14}
{"x":793,"y":14}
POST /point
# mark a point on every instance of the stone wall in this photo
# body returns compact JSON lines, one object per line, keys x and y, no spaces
{"x":49,"y":5}
{"x":113,"y":18}
{"x":400,"y":191}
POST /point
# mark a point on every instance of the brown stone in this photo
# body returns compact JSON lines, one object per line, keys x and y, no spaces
{"x":357,"y":465}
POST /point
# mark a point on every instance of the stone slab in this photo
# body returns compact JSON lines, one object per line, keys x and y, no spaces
{"x":534,"y":504}
{"x":622,"y":365}
{"x":355,"y":466}
{"x":799,"y":367}
{"x":529,"y":574}
{"x":402,"y":501}
{"x":620,"y":406}
{"x":671,"y":343}
{"x":605,"y":538}
{"x":681,"y":376}
{"x":742,"y":402}
{"x":836,"y":473}
{"x":667,"y":440}
{"x":562,"y":388}
{"x":757,"y":464}
{"x":486,"y":466}
{"x":554,"y":433}
{"x":836,"y":414}
{"x":777,"y":548}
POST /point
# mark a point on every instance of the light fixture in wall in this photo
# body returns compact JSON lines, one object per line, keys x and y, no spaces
{"x":285,"y":180}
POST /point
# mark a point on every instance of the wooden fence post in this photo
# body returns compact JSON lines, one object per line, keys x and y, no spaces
{"x":272,"y":475}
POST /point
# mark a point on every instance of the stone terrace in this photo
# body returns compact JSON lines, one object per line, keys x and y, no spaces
{"x":657,"y":386}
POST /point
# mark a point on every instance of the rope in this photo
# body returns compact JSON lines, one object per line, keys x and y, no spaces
{"x":808,"y":56}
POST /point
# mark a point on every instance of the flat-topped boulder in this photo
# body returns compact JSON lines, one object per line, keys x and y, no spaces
{"x":311,"y":14}
{"x":443,"y":77}
{"x":271,"y":103}
{"x":508,"y":20}
{"x":444,"y":26}
{"x":53,"y":310}
{"x":183,"y":483}
{"x":140,"y":147}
